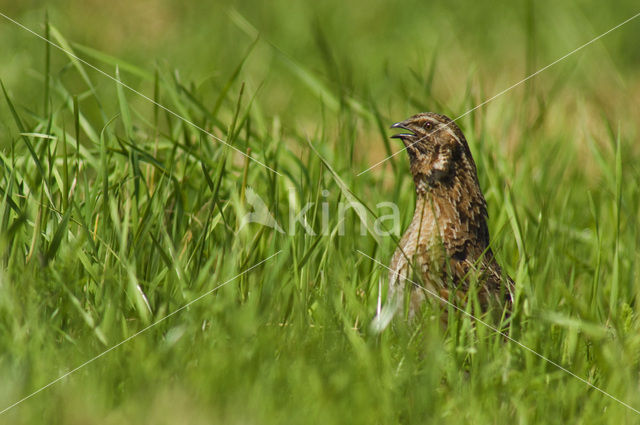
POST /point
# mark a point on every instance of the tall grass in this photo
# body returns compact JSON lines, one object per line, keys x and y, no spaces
{"x":116,"y":213}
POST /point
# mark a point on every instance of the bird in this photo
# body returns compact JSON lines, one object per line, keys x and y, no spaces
{"x":447,"y":242}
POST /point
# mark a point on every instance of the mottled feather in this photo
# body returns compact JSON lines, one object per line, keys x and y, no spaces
{"x":447,"y":242}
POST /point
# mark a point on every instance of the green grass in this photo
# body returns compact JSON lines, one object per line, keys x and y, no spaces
{"x":115,"y":213}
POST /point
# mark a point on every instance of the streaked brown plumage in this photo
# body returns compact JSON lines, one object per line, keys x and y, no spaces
{"x":447,"y":242}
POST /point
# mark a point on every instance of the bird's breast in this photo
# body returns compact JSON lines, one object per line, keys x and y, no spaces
{"x":421,"y":244}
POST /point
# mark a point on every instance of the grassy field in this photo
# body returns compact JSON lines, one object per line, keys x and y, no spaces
{"x":117,"y":211}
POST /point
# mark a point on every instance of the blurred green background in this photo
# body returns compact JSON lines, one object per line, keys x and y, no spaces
{"x":381,"y":51}
{"x":98,"y":243}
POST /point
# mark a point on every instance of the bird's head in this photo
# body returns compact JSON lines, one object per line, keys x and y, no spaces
{"x":437,"y":149}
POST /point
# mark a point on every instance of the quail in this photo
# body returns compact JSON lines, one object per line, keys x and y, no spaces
{"x":446,"y":246}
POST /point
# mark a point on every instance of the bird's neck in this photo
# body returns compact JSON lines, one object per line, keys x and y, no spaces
{"x":459,"y":196}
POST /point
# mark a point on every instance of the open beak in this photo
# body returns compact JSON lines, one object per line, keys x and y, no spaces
{"x":403,"y":125}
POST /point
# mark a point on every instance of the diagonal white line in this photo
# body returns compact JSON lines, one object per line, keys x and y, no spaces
{"x":508,"y":88}
{"x":175,"y":114}
{"x":136,"y":334}
{"x":548,"y":360}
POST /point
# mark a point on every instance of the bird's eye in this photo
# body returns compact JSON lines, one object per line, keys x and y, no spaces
{"x":427,"y":126}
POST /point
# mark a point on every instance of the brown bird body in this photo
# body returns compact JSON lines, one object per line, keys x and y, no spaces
{"x":447,"y":242}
